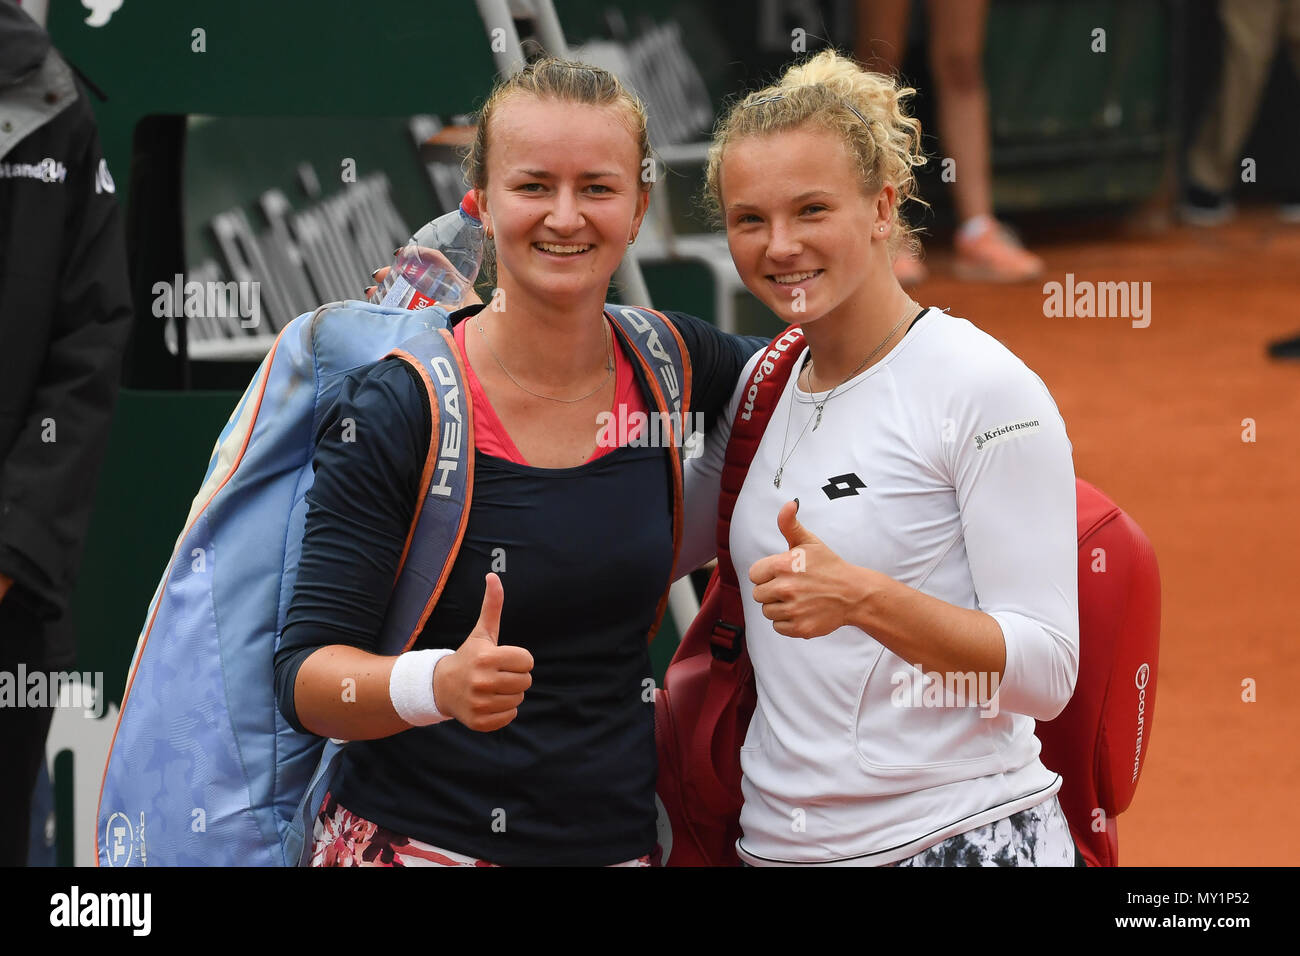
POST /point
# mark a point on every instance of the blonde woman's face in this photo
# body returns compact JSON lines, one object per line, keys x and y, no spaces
{"x":798,"y":223}
{"x":563,"y":195}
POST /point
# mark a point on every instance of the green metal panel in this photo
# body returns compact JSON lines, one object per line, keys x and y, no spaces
{"x":1078,"y":117}
{"x":1052,"y":76}
{"x":285,"y":58}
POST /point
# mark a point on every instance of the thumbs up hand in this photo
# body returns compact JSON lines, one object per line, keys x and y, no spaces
{"x":795,"y":534}
{"x":483,"y":683}
{"x":809,"y":590}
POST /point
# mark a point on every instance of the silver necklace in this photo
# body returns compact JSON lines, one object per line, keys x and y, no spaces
{"x":609,"y":368}
{"x":821,"y":405}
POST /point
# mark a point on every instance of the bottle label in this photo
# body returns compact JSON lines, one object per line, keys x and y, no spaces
{"x":396,"y":293}
{"x":402,"y":295}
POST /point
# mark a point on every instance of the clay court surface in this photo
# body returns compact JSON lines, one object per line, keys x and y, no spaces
{"x":1155,"y":416}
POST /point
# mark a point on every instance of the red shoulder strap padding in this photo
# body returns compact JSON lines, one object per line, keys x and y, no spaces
{"x":702,"y":712}
{"x":1100,"y":741}
{"x":762,"y":392}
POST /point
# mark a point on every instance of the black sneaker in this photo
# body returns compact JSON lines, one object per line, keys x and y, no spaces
{"x":1203,"y":207}
{"x":1285,"y":348}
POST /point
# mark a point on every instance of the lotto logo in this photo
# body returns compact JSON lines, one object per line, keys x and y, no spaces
{"x":841,"y":486}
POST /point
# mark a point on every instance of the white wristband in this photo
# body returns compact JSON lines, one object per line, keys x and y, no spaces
{"x":410,"y":686}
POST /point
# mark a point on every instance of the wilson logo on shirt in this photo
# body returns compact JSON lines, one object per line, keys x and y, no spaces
{"x":1005,"y":433}
{"x":841,"y":486}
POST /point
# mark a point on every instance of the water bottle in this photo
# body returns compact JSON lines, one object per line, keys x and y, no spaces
{"x":438,"y":264}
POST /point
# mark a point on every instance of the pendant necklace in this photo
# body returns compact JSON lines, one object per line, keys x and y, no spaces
{"x":820,"y":406}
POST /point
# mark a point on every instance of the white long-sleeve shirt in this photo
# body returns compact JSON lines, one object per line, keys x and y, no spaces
{"x":946,"y":466}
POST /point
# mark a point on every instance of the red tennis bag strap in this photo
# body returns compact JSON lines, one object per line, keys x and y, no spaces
{"x":703,"y":710}
{"x":762,"y":392}
{"x":764,"y":388}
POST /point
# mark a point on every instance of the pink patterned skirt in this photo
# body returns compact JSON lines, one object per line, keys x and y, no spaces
{"x":341,"y":838}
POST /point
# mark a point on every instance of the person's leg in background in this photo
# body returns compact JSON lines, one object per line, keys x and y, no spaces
{"x":23,"y":729}
{"x":1289,"y":210}
{"x":880,"y":45}
{"x":882,"y":34}
{"x":1250,"y":32}
{"x":985,"y":249}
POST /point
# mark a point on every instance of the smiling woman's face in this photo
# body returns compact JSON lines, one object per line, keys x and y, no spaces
{"x":563,"y":195}
{"x":798,"y":223}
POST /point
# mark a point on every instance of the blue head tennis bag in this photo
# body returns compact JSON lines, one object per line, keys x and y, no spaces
{"x":203,"y":769}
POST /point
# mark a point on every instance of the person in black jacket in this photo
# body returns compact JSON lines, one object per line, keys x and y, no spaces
{"x":65,"y":314}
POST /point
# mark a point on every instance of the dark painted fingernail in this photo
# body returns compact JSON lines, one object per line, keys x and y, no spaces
{"x":375,"y":274}
{"x":397,"y":252}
